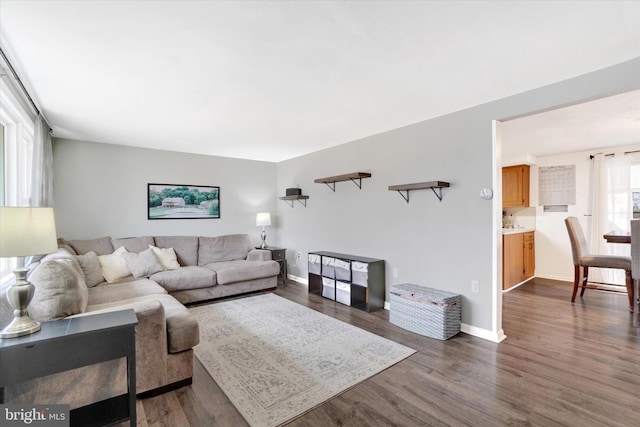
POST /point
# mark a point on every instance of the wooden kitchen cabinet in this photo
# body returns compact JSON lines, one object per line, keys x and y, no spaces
{"x":518,"y":258}
{"x":529,"y":255}
{"x":515,"y":186}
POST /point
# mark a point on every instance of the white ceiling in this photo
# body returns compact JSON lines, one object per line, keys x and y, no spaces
{"x":272,"y":80}
{"x":607,"y":122}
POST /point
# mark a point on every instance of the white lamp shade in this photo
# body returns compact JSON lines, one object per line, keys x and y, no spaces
{"x":27,"y":231}
{"x":263,"y":218}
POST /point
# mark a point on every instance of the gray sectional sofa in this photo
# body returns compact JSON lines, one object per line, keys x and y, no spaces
{"x":154,"y":276}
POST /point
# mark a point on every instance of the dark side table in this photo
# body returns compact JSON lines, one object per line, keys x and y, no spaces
{"x":72,"y":343}
{"x":279,"y":254}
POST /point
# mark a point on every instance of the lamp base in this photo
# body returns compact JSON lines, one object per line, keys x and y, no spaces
{"x":19,"y":326}
{"x":19,"y":296}
{"x":264,"y":237}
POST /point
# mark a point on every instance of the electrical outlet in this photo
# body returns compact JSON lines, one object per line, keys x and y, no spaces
{"x":299,"y":255}
{"x":475,"y":286}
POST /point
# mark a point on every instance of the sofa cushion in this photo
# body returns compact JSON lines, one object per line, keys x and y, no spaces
{"x":101,"y":246}
{"x":143,"y":264}
{"x":166,"y":257}
{"x":230,"y":272}
{"x":90,"y":268}
{"x":60,"y":290}
{"x":223,"y":248}
{"x":259,"y":255}
{"x":113,"y":266}
{"x":183,"y":331}
{"x":185,"y":247}
{"x":182,"y":328}
{"x":123,"y":290}
{"x":189,"y":277}
{"x":134,"y":244}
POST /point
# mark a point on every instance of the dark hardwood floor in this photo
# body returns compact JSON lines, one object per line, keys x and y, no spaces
{"x":561,"y":365}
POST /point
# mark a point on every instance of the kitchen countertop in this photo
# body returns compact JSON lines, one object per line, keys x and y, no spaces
{"x":517,"y":230}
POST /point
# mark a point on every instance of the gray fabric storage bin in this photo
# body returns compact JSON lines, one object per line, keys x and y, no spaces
{"x":360,"y":273}
{"x":343,"y":270}
{"x":425,"y":311}
{"x":329,"y":288}
{"x":314,"y":264}
{"x":328,"y":267}
{"x":343,"y":293}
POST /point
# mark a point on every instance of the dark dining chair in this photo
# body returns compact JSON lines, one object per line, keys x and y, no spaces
{"x":635,"y":266}
{"x":582,"y":260}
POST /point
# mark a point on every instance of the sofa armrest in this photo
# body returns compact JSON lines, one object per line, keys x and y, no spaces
{"x":151,"y":342}
{"x":151,"y":346}
{"x":259,"y":255}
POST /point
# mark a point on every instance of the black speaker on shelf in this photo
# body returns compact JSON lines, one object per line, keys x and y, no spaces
{"x":294,"y":192}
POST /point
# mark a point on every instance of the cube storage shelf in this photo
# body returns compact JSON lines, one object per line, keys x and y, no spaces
{"x":351,"y":280}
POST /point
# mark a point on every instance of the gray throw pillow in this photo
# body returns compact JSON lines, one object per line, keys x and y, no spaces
{"x":91,"y":268}
{"x":143,"y":264}
{"x":60,"y":291}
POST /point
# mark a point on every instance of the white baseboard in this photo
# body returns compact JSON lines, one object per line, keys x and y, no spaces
{"x":551,"y":277}
{"x":297,"y":279}
{"x":483,"y":333}
{"x":517,"y":285}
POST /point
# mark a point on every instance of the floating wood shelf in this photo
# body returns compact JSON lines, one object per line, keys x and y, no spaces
{"x":331,"y":180}
{"x":301,"y":199}
{"x":433,"y":185}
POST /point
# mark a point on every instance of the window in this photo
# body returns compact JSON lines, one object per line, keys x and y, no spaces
{"x":634,"y":173}
{"x":16,"y":145}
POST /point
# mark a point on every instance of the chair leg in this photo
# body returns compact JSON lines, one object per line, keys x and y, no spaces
{"x":630,"y":293}
{"x":636,"y":286}
{"x":585,"y":279}
{"x":576,"y":280}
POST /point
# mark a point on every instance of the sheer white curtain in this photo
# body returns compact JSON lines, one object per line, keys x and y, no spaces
{"x":599,"y":217}
{"x":611,"y":209}
{"x":42,"y":165}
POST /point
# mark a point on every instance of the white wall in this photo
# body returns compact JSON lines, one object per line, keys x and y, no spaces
{"x":101,"y":189}
{"x":553,"y":250}
{"x":444,"y":244}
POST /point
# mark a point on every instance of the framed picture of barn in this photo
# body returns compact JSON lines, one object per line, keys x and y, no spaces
{"x":167,"y":201}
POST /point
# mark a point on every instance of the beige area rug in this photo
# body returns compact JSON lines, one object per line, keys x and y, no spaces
{"x":276,"y":359}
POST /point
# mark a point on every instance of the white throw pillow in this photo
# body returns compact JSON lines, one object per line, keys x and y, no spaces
{"x":113,"y":266}
{"x":167,"y":257}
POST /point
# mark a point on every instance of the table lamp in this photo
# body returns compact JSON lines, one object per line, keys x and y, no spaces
{"x":263,"y":219}
{"x":24,"y":232}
